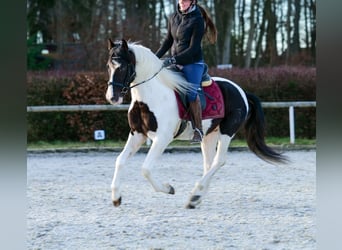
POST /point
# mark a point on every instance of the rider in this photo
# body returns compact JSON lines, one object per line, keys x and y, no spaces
{"x":186,"y":28}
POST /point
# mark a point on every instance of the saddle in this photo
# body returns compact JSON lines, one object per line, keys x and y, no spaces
{"x":211,"y":99}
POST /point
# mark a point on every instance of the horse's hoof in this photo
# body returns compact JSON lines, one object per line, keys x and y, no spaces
{"x":190,"y":206}
{"x":194,"y":200}
{"x":117,"y":202}
{"x":172,"y":190}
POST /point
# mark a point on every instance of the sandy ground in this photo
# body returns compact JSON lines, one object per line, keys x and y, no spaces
{"x":250,"y":204}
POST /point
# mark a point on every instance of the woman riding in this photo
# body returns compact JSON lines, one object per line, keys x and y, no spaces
{"x":186,"y":28}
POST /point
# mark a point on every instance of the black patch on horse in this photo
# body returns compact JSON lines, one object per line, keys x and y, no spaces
{"x":141,"y":119}
{"x":235,"y":109}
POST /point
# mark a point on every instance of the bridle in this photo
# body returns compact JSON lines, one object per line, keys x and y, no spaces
{"x":129,"y":78}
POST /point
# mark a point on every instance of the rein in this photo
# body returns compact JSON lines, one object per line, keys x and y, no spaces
{"x":125,"y":90}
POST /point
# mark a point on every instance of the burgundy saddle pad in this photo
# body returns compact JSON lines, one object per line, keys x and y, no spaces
{"x":214,"y":103}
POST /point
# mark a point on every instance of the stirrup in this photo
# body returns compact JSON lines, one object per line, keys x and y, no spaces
{"x":198,"y":136}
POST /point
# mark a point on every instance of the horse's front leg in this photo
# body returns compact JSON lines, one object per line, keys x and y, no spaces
{"x":157,"y":148}
{"x":133,"y":144}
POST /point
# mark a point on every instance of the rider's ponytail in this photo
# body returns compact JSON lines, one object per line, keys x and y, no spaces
{"x":210,"y":29}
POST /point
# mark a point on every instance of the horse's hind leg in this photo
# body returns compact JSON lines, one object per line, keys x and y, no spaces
{"x":202,"y":186}
{"x":133,"y":144}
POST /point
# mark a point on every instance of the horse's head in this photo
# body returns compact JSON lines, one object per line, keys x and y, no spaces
{"x":121,"y":70}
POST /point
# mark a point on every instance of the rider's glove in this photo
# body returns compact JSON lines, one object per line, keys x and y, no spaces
{"x":169,"y":61}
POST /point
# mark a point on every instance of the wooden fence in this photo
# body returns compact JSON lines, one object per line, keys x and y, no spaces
{"x":124,"y":107}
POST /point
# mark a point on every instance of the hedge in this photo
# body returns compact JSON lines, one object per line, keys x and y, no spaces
{"x":70,"y":88}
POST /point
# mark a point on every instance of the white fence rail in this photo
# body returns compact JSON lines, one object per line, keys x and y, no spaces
{"x":124,"y":107}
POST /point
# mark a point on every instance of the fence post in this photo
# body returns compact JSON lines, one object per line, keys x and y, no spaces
{"x":292,"y":125}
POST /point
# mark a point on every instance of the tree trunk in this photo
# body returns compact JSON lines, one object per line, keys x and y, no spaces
{"x":288,"y":30}
{"x":224,"y":16}
{"x":295,"y":46}
{"x":251,"y":34}
{"x":270,"y":53}
{"x":258,"y":49}
{"x":313,"y":28}
{"x":241,"y":31}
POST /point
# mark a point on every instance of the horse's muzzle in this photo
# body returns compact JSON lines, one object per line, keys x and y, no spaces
{"x":113,"y":97}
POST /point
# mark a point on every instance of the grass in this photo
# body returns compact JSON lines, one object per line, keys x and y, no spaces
{"x":272,"y":141}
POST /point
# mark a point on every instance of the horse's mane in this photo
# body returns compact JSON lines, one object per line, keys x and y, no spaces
{"x":147,"y":64}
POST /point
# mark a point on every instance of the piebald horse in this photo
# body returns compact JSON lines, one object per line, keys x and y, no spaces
{"x":153,"y":113}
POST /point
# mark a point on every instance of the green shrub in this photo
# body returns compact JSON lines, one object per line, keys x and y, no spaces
{"x":34,"y":57}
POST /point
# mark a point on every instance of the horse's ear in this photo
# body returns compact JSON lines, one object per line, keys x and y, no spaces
{"x":124,"y":44}
{"x":110,"y":44}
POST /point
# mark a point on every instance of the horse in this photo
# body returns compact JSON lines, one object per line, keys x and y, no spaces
{"x":153,"y":113}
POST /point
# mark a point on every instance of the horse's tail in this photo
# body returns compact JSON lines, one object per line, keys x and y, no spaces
{"x":255,"y":132}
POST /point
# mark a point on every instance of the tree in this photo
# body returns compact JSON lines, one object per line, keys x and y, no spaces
{"x":39,"y":18}
{"x":250,"y":33}
{"x":295,"y":45}
{"x":224,"y":17}
{"x":260,"y":37}
{"x":313,"y":28}
{"x":270,"y":52}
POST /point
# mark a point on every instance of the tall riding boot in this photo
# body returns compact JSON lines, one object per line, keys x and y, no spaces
{"x":196,"y":113}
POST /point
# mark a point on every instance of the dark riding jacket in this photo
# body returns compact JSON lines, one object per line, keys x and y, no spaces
{"x":184,"y":37}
